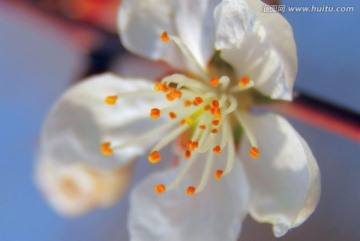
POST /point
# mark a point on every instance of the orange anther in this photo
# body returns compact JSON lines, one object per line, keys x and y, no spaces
{"x":244,"y":81}
{"x":202,"y":127}
{"x":215,"y":103}
{"x":160,"y":87}
{"x":182,"y":122}
{"x":214,"y":131}
{"x":190,"y":190}
{"x":217,"y":114}
{"x":207,"y":107}
{"x":215,"y":122}
{"x":155,"y":113}
{"x":174,"y":94}
{"x":105,"y":149}
{"x":154,"y":157}
{"x":254,"y":152}
{"x":187,"y":103}
{"x":187,"y":154}
{"x":198,"y":100}
{"x":170,"y":97}
{"x":160,"y":188}
{"x":217,"y":149}
{"x":164,"y":37}
{"x":111,"y":100}
{"x":214,"y":82}
{"x":172,"y":115}
{"x":193,"y":145}
{"x":177,"y":93}
{"x":218,"y":174}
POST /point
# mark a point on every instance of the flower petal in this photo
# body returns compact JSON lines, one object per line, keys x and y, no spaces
{"x":75,"y":189}
{"x":195,"y":26}
{"x":285,"y":180}
{"x":257,"y":44}
{"x":141,"y":23}
{"x":80,"y":121}
{"x":213,"y":214}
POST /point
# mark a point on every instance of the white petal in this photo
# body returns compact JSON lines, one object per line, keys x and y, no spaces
{"x":259,"y":45}
{"x":280,"y":36}
{"x":75,"y":189}
{"x":141,"y":23}
{"x":195,"y":26}
{"x":212,"y":215}
{"x":80,"y":121}
{"x":233,"y":19}
{"x":285,"y":180}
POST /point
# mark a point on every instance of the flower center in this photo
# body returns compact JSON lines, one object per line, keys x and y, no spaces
{"x":207,"y":109}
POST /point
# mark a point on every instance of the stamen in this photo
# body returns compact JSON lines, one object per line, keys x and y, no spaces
{"x":190,"y":190}
{"x":183,"y":81}
{"x":232,"y":107}
{"x":215,"y":103}
{"x":244,"y":81}
{"x":198,"y":100}
{"x":218,"y":174}
{"x":193,"y":145}
{"x":254,"y":152}
{"x":111,"y":99}
{"x":214,"y":82}
{"x":243,"y":85}
{"x":154,"y":157}
{"x":106,"y":149}
{"x":174,"y":94}
{"x":231,"y":152}
{"x":172,"y":115}
{"x":155,"y":113}
{"x":217,"y":114}
{"x":206,"y":173}
{"x":215,"y":122}
{"x":160,"y":188}
{"x":148,"y":135}
{"x":202,"y":127}
{"x":170,"y":137}
{"x":217,"y":149}
{"x":161,"y":87}
{"x":205,"y":141}
{"x":187,"y":154}
{"x":164,"y":37}
{"x":214,"y":131}
{"x":182,"y":172}
{"x":187,"y":103}
{"x":224,"y":80}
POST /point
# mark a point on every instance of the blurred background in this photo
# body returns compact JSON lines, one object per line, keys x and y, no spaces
{"x":47,"y":45}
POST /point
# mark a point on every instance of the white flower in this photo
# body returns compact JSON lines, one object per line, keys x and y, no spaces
{"x":226,"y":55}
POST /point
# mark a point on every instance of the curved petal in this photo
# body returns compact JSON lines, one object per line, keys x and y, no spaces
{"x":257,"y":44}
{"x":195,"y":26}
{"x":80,"y":121}
{"x":281,"y":37}
{"x":285,"y":180}
{"x":141,"y":23}
{"x":75,"y":189}
{"x":213,"y":214}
